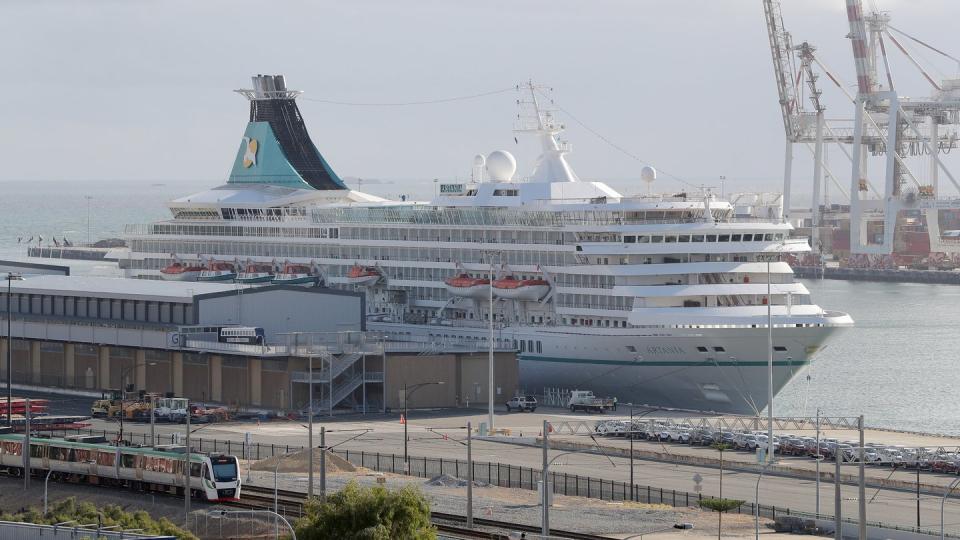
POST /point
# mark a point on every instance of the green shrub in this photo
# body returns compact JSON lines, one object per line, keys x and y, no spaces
{"x":368,"y":513}
{"x":719,"y":505}
{"x":85,"y":512}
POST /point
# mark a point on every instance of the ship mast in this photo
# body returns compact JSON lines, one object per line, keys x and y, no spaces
{"x":535,"y":120}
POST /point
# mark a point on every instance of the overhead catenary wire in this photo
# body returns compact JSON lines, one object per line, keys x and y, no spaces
{"x":409,"y":103}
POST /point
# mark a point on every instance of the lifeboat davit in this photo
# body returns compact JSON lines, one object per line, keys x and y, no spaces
{"x":468,"y":286}
{"x":218,"y":271}
{"x":256,"y":273}
{"x":179,"y":271}
{"x":521,"y":289}
{"x":296,"y":274}
{"x":364,"y":276}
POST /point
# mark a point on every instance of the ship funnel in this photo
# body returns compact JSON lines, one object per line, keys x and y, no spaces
{"x":276,"y":148}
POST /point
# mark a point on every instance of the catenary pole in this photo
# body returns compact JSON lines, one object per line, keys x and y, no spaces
{"x":310,"y":425}
{"x":469,"y":475}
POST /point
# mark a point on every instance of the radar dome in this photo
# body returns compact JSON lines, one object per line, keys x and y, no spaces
{"x":479,"y":160}
{"x":648,"y":174}
{"x":501,"y":165}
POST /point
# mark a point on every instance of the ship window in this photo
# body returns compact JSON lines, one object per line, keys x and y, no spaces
{"x":539,"y":347}
{"x":748,"y":238}
{"x":779,"y":237}
{"x":719,"y":349}
{"x":643,"y":239}
{"x":629,"y":239}
{"x":724,"y":238}
{"x":631,"y":348}
{"x":768,"y":237}
{"x":697,"y":238}
{"x":523,"y":346}
{"x":702,"y":349}
{"x":735,"y":237}
{"x":530,"y":345}
{"x":656,"y":239}
{"x":684,"y":238}
{"x":670,"y":239}
{"x":711,"y":238}
{"x":779,"y":348}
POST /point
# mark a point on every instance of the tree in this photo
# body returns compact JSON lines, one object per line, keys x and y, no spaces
{"x":720,"y":505}
{"x":368,"y":513}
{"x":110,"y":515}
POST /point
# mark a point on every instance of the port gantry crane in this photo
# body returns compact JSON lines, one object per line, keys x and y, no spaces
{"x":869,"y":132}
{"x":897,"y":128}
{"x":802,"y":126}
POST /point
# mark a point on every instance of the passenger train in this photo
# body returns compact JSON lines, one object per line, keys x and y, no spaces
{"x":214,"y":477}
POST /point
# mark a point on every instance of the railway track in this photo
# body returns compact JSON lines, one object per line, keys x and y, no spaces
{"x":290,"y":504}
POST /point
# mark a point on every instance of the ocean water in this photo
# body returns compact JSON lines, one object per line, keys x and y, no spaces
{"x":898,"y":366}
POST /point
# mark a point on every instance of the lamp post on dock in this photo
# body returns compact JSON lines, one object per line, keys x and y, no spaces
{"x":490,"y":375}
{"x":770,"y":447}
{"x":11,"y":277}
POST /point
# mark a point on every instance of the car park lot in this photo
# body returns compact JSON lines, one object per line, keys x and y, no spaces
{"x":679,"y":436}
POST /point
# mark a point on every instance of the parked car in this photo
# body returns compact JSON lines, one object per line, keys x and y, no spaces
{"x":522,"y":403}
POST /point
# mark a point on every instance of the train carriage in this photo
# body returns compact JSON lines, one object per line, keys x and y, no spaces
{"x":214,"y":477}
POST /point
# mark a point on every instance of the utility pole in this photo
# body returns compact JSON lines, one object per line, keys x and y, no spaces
{"x":26,"y":445}
{"x":323,"y":463}
{"x":817,"y":512}
{"x":770,"y":448}
{"x":863,"y":485}
{"x":310,"y":425}
{"x":187,"y":472}
{"x":470,"y":475}
{"x":545,"y":528}
{"x":630,"y":434}
{"x":153,"y":427}
{"x":490,"y":363}
{"x":837,"y":508}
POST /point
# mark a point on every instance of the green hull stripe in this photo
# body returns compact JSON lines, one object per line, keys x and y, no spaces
{"x":785,"y":363}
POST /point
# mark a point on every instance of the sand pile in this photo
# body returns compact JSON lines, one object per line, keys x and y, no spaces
{"x":300,"y":463}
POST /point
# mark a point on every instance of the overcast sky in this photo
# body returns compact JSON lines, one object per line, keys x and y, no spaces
{"x":141,"y":90}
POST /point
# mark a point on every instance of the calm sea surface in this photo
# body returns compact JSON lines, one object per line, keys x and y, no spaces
{"x":898,"y":366}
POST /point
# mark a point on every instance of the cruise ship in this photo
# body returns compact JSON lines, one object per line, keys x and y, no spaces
{"x":661,"y":300}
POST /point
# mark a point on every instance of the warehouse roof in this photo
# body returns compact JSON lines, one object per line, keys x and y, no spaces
{"x":119,"y":288}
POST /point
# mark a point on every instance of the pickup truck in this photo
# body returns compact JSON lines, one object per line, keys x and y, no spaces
{"x":584,"y":400}
{"x":522,"y":403}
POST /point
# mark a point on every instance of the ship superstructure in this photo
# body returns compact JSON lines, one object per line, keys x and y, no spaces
{"x":654,"y":299}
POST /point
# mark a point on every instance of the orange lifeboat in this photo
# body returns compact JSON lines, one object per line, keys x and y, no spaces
{"x":364,"y":276}
{"x":468,"y":286}
{"x":180,"y":271}
{"x":512,"y":288}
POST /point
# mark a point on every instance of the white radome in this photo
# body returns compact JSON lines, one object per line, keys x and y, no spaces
{"x":501,"y":165}
{"x":648,"y":174}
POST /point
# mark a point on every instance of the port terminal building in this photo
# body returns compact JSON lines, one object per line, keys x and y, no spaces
{"x":96,"y":333}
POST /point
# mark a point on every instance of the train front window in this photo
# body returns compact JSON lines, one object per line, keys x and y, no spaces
{"x":225,"y":472}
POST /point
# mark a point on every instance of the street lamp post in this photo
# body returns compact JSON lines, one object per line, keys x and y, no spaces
{"x":770,"y":447}
{"x":406,"y":419}
{"x":943,"y":501}
{"x":631,"y":434}
{"x":11,"y":277}
{"x":491,"y":381}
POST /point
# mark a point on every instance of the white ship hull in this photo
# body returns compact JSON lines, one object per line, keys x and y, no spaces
{"x":669,"y":371}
